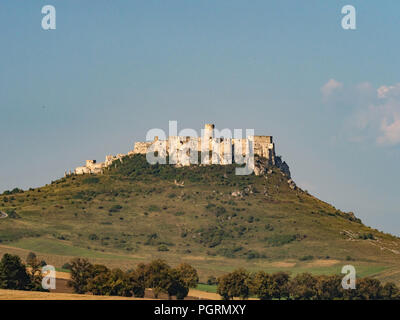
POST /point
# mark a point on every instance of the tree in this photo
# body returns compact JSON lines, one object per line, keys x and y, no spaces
{"x":81,"y":273}
{"x":181,"y":279}
{"x":35,"y":273}
{"x":158,"y":276}
{"x":177,"y":286}
{"x":188,"y":275}
{"x":280,"y":282}
{"x":98,"y":280}
{"x":13,"y":274}
{"x":137,"y":281}
{"x":303,"y":287}
{"x":390,"y":291}
{"x":368,"y":289}
{"x":31,"y":259}
{"x":118,"y":284}
{"x":261,"y":285}
{"x":234,"y":284}
{"x":329,"y":287}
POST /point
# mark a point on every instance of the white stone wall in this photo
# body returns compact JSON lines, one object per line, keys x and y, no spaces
{"x":182,"y":150}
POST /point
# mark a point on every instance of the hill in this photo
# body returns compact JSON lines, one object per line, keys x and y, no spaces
{"x":206,"y":216}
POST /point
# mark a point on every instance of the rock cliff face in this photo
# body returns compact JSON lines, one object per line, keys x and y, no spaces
{"x":261,"y":166}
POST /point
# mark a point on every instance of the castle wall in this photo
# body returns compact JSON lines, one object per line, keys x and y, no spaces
{"x":183,"y":150}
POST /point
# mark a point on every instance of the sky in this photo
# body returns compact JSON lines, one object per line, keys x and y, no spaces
{"x":112,"y":70}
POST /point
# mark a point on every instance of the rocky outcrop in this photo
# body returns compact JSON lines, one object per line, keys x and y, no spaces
{"x":292,"y":185}
{"x":282,"y":165}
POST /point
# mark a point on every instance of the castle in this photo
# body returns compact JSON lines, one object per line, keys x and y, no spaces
{"x":217,"y":150}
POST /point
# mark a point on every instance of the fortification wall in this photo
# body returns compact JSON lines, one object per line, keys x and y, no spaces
{"x":178,"y":147}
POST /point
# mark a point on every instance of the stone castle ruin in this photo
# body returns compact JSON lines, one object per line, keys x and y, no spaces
{"x":184,"y":151}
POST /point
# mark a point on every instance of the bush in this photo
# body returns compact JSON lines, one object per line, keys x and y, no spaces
{"x":212,"y":281}
{"x":91,"y":180}
{"x":280,"y":239}
{"x":253,"y":255}
{"x":154,"y":208}
{"x":12,"y":214}
{"x":163,"y":247}
{"x":66,"y":266}
{"x":93,"y":237}
{"x":306,"y":258}
{"x":115,"y":208}
{"x":366,"y":236}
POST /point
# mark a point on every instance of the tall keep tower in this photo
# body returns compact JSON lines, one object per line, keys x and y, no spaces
{"x":209,"y":131}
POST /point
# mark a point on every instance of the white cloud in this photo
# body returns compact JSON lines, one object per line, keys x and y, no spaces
{"x":390,"y":130}
{"x":389,"y":91}
{"x":376,"y":112}
{"x":330,"y":87}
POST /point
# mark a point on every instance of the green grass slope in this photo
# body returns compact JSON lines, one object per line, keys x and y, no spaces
{"x":136,"y":212}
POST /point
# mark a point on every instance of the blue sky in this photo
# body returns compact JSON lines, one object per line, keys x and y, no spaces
{"x":114,"y":69}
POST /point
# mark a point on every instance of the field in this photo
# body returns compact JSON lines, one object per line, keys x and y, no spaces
{"x":34,"y":295}
{"x":135,"y":213}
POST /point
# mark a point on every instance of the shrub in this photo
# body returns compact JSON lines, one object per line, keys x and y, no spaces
{"x":281,"y":239}
{"x":212,"y":281}
{"x":366,"y":236}
{"x":163,"y":247}
{"x":93,"y":237}
{"x":253,"y":255}
{"x":154,"y":208}
{"x":91,"y":180}
{"x":115,"y":208}
{"x":12,"y":214}
{"x":306,"y":258}
{"x":66,"y":266}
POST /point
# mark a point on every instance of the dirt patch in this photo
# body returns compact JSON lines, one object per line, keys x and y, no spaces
{"x":63,"y":275}
{"x":283,"y":264}
{"x":323,"y":263}
{"x":203,"y":295}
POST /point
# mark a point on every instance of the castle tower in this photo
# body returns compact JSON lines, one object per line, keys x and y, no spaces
{"x":209,"y":131}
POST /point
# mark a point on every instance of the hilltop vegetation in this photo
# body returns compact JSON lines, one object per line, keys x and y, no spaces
{"x":135,"y":211}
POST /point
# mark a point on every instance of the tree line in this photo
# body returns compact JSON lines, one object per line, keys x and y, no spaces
{"x":305,"y":286}
{"x":97,"y":279}
{"x":158,"y":275}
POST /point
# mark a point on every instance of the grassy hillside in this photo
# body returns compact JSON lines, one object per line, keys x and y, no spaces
{"x":136,"y":212}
